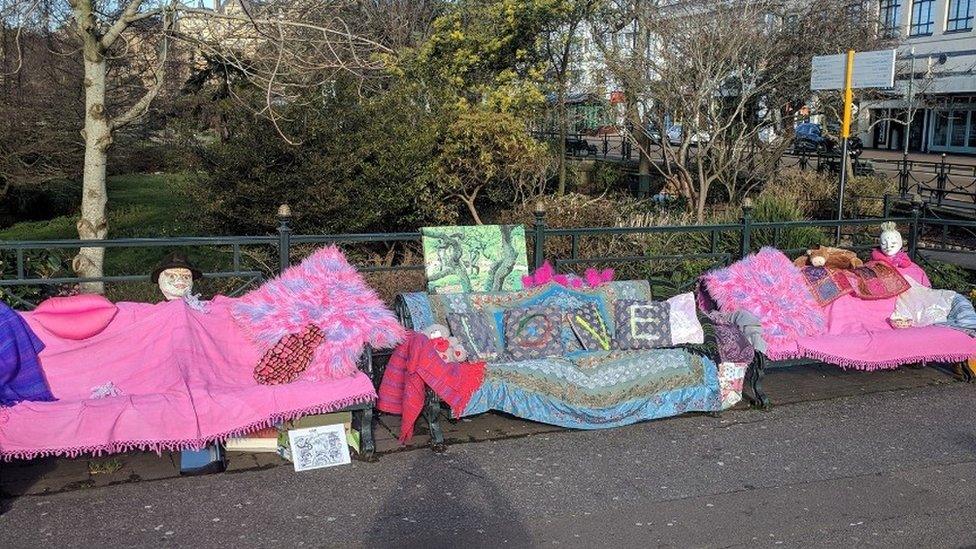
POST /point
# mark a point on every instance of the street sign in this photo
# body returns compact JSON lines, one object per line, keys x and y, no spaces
{"x":872,"y":69}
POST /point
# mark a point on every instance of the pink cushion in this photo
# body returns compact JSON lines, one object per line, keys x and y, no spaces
{"x":75,"y":317}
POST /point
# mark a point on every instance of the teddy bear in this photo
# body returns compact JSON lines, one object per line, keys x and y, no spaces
{"x":831,"y":258}
{"x":448,"y":346}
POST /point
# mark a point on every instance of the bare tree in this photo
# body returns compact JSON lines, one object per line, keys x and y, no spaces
{"x":730,"y":74}
{"x":562,"y":50}
{"x":282,"y":46}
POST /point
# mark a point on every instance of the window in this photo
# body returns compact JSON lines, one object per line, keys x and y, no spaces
{"x":890,"y":11}
{"x":960,"y":15}
{"x":922,"y":23}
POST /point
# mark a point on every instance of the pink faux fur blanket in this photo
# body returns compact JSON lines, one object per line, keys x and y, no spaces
{"x":327,"y":291}
{"x":770,"y":286}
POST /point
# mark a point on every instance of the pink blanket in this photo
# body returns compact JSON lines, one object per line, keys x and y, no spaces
{"x":159,"y":377}
{"x":860,"y":337}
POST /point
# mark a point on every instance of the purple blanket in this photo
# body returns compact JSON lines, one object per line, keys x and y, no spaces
{"x":21,"y":377}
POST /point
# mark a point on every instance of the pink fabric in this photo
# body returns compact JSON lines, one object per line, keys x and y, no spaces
{"x":890,"y":348}
{"x":75,"y":317}
{"x":770,"y":286}
{"x":860,"y":337}
{"x":546,"y":273}
{"x":183,"y":377}
{"x":324,"y":290}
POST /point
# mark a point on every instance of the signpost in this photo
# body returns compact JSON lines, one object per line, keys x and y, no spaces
{"x":870,"y":69}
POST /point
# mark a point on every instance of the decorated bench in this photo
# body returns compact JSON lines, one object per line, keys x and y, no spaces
{"x":586,"y":359}
{"x":875,"y":316}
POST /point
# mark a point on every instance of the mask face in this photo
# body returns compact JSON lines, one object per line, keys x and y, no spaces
{"x":175,"y":283}
{"x":890,"y":243}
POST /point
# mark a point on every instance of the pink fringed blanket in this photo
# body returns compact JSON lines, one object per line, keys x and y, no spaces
{"x":159,"y":377}
{"x":770,"y":286}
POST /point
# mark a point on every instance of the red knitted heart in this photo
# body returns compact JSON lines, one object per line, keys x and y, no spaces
{"x":284,"y":362}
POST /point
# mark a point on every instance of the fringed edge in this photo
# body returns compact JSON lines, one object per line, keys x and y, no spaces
{"x":186,"y":444}
{"x":848,"y":364}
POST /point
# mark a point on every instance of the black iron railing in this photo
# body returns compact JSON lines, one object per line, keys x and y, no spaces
{"x":650,"y":252}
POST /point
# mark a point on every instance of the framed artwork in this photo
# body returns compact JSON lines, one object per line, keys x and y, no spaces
{"x":318,"y":447}
{"x":477,"y":258}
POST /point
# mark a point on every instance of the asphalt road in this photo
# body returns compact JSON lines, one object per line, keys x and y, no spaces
{"x":893,"y":469}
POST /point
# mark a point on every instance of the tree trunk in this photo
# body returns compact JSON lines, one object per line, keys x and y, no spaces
{"x":98,"y":137}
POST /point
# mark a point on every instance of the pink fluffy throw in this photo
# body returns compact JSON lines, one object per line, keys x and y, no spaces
{"x":324,"y":290}
{"x":768,"y":285}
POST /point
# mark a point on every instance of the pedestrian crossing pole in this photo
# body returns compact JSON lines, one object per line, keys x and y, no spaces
{"x":845,"y":134}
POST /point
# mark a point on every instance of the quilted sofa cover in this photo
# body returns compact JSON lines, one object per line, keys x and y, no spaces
{"x":583,"y":389}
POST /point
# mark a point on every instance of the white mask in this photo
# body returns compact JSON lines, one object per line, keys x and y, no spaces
{"x":890,"y":241}
{"x":176,"y":283}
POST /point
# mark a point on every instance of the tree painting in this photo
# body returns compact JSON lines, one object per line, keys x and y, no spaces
{"x":480,"y":258}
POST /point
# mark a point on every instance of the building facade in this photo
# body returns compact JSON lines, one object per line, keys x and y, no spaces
{"x":935,"y":84}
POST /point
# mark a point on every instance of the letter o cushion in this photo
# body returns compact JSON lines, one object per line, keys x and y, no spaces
{"x":75,"y":317}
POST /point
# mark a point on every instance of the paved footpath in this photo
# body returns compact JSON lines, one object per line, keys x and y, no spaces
{"x":893,"y":469}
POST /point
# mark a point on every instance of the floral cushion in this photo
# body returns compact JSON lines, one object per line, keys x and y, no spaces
{"x":533,"y":333}
{"x":642,"y":324}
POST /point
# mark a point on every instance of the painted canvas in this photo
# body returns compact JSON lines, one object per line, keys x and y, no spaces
{"x":478,"y":258}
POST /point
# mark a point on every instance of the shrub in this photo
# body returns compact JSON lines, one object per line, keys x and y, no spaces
{"x":950,"y":277}
{"x":38,"y":201}
{"x":361,"y":165}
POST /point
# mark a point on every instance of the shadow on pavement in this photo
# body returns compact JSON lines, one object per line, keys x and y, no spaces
{"x":450,"y":503}
{"x":16,"y":478}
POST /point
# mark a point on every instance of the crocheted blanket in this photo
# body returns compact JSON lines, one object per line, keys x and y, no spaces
{"x":160,"y":377}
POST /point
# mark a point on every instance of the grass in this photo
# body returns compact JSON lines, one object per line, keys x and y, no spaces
{"x":140,"y":205}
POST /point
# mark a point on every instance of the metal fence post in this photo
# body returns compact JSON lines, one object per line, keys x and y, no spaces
{"x":539,"y":235}
{"x":941,"y":181}
{"x":745,"y":243}
{"x":284,"y":237}
{"x":903,"y":176}
{"x":913,"y":229}
{"x":887,"y":206}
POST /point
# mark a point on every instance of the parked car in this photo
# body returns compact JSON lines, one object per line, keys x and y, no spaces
{"x":815,"y":138}
{"x":676,"y":132}
{"x":576,"y":146}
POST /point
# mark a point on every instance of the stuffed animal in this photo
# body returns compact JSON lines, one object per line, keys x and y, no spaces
{"x":831,"y":258}
{"x":448,"y":346}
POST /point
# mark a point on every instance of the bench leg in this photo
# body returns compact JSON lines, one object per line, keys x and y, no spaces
{"x":965,"y":371}
{"x":755,"y":374}
{"x":432,"y":410}
{"x":367,"y":440}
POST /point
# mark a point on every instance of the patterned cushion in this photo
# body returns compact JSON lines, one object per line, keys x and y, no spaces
{"x":590,"y":328}
{"x":476,"y":333}
{"x":533,"y":332}
{"x":642,"y":324}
